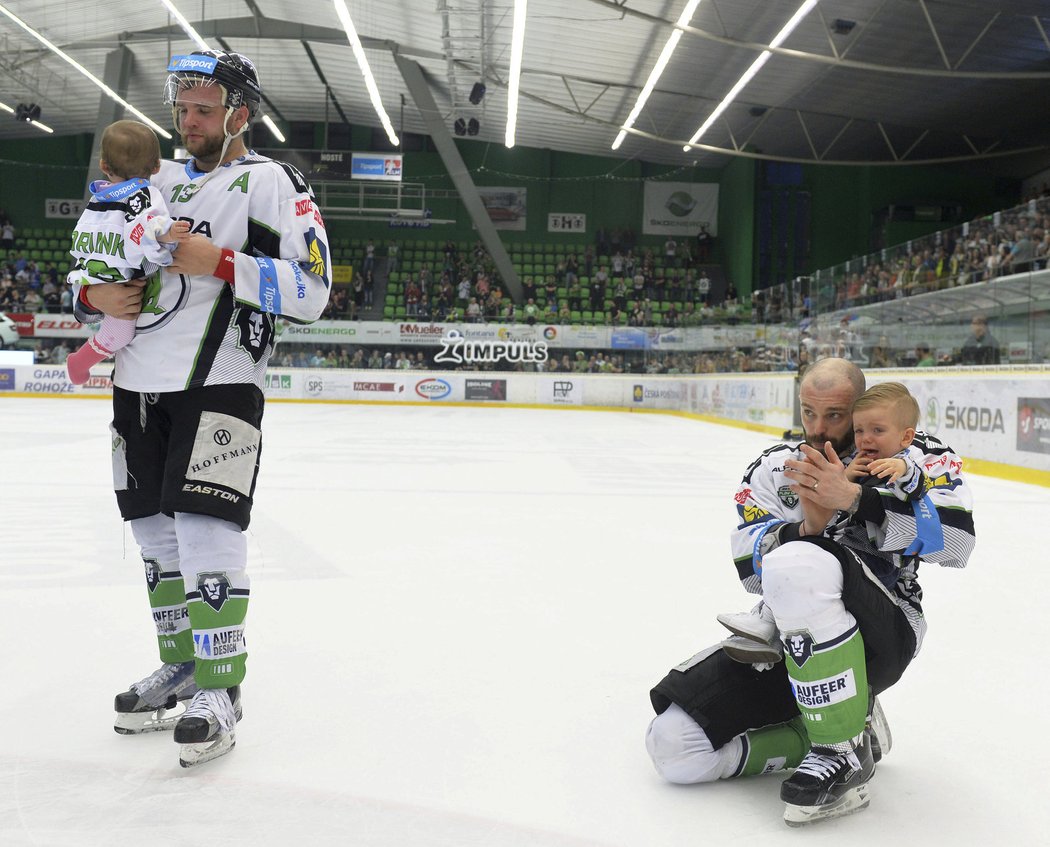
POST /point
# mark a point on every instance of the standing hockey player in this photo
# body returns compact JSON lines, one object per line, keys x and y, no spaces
{"x":835,"y":562}
{"x":188,"y":400}
{"x":124,"y":232}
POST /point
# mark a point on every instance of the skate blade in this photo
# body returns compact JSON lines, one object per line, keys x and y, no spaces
{"x":881,"y":727}
{"x":137,"y":723}
{"x":191,"y":755}
{"x":852,"y":801}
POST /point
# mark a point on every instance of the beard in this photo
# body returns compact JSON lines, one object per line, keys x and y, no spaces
{"x":206,"y":149}
{"x":842,"y":446}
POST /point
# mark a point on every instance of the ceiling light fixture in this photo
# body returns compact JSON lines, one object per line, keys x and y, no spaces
{"x":517,"y":47}
{"x":27,"y":114}
{"x":270,"y":125}
{"x":109,"y":92}
{"x":366,"y":71}
{"x":655,"y":73}
{"x":185,"y":24}
{"x":749,"y":74}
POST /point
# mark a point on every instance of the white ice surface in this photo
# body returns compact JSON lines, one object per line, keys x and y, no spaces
{"x":457,"y":614}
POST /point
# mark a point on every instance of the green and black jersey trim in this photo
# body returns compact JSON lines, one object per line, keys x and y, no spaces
{"x":218,"y":324}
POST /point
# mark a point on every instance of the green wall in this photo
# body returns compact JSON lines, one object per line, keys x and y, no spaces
{"x":736,"y":222}
{"x":608,"y":190}
{"x":33,"y":170}
{"x":846,"y":199}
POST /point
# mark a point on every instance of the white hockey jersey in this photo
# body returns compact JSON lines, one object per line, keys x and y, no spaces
{"x":116,"y":236}
{"x":197,"y":330}
{"x":768,"y":512}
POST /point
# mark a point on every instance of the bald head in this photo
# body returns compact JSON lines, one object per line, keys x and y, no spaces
{"x":834,"y":374}
{"x":826,"y":394}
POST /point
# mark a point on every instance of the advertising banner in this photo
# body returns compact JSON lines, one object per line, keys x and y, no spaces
{"x":55,"y":208}
{"x":506,"y":206}
{"x":566,"y":222}
{"x":679,"y":208}
{"x":1033,"y":424}
{"x":485,"y":389}
{"x":563,"y":390}
{"x":381,"y":166}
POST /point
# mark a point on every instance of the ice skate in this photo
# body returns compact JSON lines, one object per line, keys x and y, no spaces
{"x":878,"y":730}
{"x":206,"y":731}
{"x":155,"y":703}
{"x":828,"y":784}
{"x":755,"y":640}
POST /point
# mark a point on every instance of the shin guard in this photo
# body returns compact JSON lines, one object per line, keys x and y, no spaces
{"x":830,"y":684}
{"x":167,"y":602}
{"x":773,"y":748}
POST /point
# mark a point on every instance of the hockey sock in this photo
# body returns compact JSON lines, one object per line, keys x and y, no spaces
{"x":217,"y":612}
{"x":213,"y":556}
{"x":773,"y":748}
{"x":830,"y":684}
{"x":167,"y":602}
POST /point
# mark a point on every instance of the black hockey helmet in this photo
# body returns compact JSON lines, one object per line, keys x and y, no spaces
{"x":234,"y":73}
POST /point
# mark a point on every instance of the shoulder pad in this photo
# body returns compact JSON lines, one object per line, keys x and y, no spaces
{"x":298,"y":180}
{"x":776,"y":448}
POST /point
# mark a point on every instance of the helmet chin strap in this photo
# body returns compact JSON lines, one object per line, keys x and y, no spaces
{"x":226,"y":142}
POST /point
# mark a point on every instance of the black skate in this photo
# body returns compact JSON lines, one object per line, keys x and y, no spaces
{"x":828,"y":784}
{"x":206,"y":731}
{"x":155,"y":703}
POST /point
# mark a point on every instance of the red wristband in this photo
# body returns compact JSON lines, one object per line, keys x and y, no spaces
{"x":224,"y":270}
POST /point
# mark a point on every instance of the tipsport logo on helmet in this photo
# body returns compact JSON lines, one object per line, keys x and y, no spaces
{"x":193,"y":64}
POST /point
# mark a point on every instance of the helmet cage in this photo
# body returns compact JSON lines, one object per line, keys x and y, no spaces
{"x":235,"y":75}
{"x":184,"y":82}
